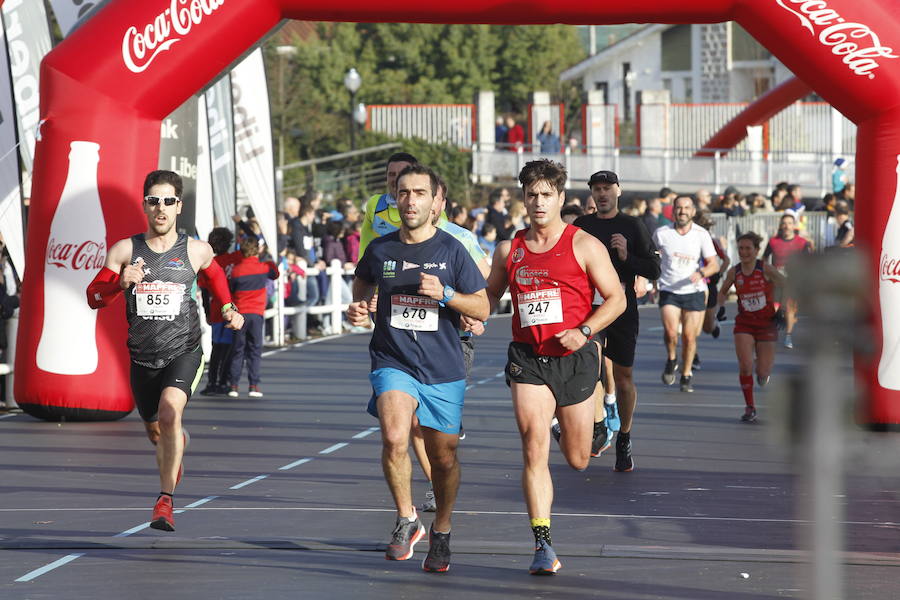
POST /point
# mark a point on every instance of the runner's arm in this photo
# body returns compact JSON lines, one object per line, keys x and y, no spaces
{"x":497,"y":281}
{"x":644,"y":260}
{"x":774,"y":275}
{"x":726,"y":286}
{"x":603,"y":277}
{"x":367,"y":230}
{"x":107,"y":284}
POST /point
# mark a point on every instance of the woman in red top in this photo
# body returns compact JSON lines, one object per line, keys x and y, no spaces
{"x":754,"y":326}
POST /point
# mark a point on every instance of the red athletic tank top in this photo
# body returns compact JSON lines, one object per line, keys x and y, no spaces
{"x":550,"y":292}
{"x":755,"y":294}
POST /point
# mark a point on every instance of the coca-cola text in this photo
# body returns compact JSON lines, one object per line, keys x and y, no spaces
{"x":890,"y":269}
{"x":180,"y":17}
{"x":89,"y":255}
{"x":837,"y":33}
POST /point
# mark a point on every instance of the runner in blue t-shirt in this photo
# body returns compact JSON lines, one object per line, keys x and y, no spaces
{"x":425,"y":280}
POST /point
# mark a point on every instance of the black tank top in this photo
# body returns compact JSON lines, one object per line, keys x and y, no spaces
{"x":163,"y":322}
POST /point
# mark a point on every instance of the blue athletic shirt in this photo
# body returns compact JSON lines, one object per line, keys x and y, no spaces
{"x":412,"y":333}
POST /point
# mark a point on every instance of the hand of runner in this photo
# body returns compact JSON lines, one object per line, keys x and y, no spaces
{"x":132,"y":274}
{"x":358,"y":313}
{"x":470,"y":324}
{"x":233,"y":320}
{"x":696,"y":276}
{"x":430,"y":286}
{"x":620,"y":245}
{"x":571,"y":339}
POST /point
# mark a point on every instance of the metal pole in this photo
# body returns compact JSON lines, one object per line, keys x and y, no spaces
{"x":352,"y":122}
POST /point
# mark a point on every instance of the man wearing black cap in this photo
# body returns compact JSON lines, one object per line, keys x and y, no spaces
{"x":633,"y":254}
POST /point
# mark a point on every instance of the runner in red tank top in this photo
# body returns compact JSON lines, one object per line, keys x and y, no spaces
{"x":552,"y":270}
{"x":780,"y":249}
{"x":754,"y":326}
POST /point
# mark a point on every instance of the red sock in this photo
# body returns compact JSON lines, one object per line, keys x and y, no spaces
{"x":747,"y":388}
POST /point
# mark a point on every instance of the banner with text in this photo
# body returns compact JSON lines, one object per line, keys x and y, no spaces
{"x":178,"y":152}
{"x":28,"y":39}
{"x":221,"y":150}
{"x":203,"y":216}
{"x":68,"y":13}
{"x":253,"y":141}
{"x":10,"y":188}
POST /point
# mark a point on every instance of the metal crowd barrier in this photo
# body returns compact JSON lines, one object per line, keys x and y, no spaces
{"x":815,"y":226}
{"x":333,"y":308}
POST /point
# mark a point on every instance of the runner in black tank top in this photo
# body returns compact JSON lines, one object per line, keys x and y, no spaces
{"x":158,"y":272}
{"x":163,"y":321}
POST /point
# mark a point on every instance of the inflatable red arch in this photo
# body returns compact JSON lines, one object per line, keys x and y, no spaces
{"x":114,"y":79}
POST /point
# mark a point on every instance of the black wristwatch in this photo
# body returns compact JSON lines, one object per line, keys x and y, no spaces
{"x":585,"y":331}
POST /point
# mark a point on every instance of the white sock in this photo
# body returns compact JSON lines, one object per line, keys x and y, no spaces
{"x":609,"y":399}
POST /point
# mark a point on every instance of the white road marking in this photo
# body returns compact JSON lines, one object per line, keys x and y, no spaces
{"x":334,"y":448}
{"x":296,"y":463}
{"x":248,"y":482}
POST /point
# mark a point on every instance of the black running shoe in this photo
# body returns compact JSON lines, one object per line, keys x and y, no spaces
{"x":407,"y":533}
{"x":555,"y":431}
{"x":696,"y":363}
{"x":601,"y":439}
{"x":720,"y":316}
{"x":715,"y":332}
{"x":749,"y":415}
{"x":668,"y":374}
{"x":686,"y":385}
{"x":438,"y":558}
{"x":624,"y":462}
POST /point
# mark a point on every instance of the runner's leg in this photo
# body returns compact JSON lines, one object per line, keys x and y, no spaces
{"x":534,"y":406}
{"x":170,"y":448}
{"x":577,"y":432}
{"x":441,"y":450}
{"x":395,"y":412}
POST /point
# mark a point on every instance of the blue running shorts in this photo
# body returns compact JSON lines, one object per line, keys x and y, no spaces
{"x":439,"y":405}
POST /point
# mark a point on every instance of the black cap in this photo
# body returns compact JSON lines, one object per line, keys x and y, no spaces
{"x":603,"y":177}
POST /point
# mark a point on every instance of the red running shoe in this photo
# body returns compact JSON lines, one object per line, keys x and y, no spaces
{"x":162,"y":518}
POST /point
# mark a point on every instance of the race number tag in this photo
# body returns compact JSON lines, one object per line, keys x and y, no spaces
{"x":415,"y":313}
{"x":754,"y":302}
{"x":158,"y":298}
{"x":540,"y":307}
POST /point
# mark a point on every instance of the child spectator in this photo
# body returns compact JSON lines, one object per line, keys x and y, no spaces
{"x":220,"y":238}
{"x":248,"y":290}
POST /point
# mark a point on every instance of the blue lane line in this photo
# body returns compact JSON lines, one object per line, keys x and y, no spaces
{"x":296,"y":463}
{"x":333,"y":448}
{"x":248,"y":482}
{"x":135,"y":529}
{"x":46,"y":568}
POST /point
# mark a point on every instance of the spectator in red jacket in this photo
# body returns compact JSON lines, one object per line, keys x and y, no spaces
{"x":248,"y":292}
{"x":220,"y":239}
{"x":515,"y":135}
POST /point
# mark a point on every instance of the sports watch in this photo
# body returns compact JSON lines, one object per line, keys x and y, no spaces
{"x":585,"y":331}
{"x":449,"y":292}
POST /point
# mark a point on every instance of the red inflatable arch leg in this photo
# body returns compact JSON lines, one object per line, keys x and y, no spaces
{"x":115,"y":78}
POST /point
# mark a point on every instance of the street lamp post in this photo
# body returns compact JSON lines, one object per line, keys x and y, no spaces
{"x":352,"y":81}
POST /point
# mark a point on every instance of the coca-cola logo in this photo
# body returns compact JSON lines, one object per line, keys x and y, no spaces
{"x":141,"y":47}
{"x":87,"y":256}
{"x":890,"y":269}
{"x":857,"y":43}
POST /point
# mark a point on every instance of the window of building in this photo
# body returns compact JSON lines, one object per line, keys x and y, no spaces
{"x":744,"y":47}
{"x":603,"y":86}
{"x":676,"y":48}
{"x":688,"y":89}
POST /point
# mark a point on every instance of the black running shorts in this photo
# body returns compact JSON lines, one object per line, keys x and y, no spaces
{"x":147,"y":384}
{"x":619,"y":339}
{"x":571,"y":378}
{"x":695,"y":301}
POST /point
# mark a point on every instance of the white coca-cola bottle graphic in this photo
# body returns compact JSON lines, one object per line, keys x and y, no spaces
{"x":889,"y":296}
{"x":76,"y":250}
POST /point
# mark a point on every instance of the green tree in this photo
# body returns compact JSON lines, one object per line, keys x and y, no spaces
{"x":412,"y":63}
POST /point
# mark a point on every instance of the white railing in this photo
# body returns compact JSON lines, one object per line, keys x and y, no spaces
{"x":333,"y":308}
{"x":437,"y":123}
{"x":676,"y":168}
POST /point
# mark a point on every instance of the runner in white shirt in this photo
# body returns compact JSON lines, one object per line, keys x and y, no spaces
{"x":682,"y":289}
